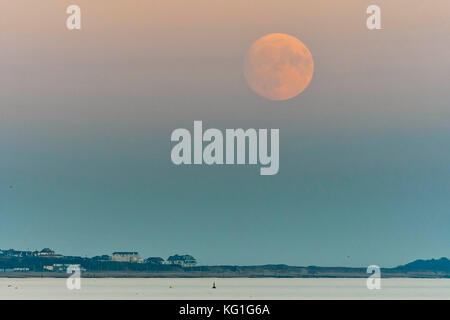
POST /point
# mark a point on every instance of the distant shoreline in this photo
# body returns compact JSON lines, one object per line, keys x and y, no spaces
{"x":36,"y":268}
{"x":240,"y":272}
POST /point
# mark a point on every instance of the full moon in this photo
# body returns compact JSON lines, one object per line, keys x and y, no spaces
{"x":278,"y":66}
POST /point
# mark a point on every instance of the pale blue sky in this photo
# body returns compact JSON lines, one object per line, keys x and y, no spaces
{"x":85,"y":124}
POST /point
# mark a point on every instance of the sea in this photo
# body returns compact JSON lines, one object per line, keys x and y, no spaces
{"x":226,"y":288}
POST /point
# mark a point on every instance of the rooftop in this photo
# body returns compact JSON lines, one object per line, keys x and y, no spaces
{"x":125,"y":252}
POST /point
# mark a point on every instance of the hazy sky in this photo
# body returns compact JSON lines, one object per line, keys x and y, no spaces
{"x":86,"y":118}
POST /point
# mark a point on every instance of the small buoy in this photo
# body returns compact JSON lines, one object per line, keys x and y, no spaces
{"x":170,"y":287}
{"x":214,"y":285}
{"x":17,"y":288}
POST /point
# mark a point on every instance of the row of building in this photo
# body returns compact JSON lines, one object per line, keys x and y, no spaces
{"x":181,"y":260}
{"x":46,"y":252}
{"x":124,"y":256}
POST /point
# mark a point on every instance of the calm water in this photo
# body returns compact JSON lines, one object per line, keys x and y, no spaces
{"x":226,"y":289}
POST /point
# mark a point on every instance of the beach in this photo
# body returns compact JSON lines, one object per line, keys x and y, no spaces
{"x":227,"y":288}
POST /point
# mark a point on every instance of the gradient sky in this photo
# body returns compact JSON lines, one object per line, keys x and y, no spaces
{"x":86,"y":118}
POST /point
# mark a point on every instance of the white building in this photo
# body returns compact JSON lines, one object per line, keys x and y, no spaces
{"x":125,"y":256}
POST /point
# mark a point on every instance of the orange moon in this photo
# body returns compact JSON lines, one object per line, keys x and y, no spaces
{"x":278,"y":66}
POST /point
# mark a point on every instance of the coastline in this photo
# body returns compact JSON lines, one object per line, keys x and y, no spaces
{"x":257,"y":272}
